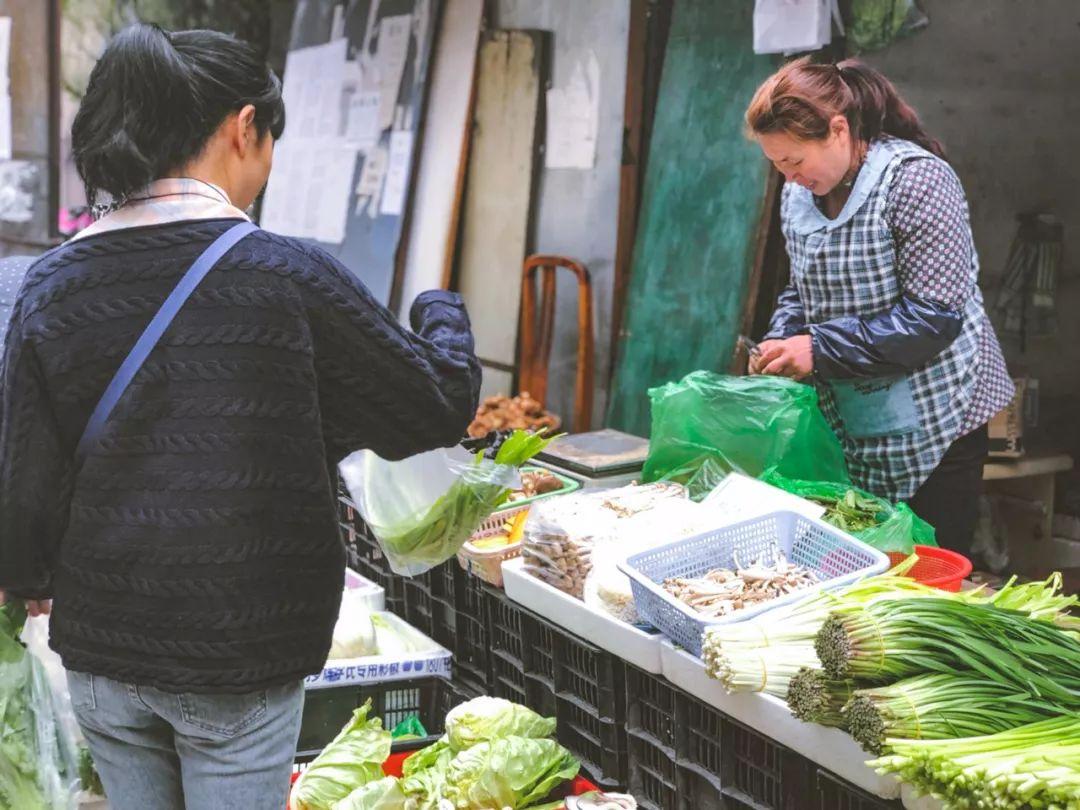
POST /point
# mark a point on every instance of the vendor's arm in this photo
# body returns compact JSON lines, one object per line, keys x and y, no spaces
{"x":789,"y":317}
{"x":928,"y":216}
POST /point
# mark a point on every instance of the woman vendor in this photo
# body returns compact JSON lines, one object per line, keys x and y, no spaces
{"x":883,"y":312}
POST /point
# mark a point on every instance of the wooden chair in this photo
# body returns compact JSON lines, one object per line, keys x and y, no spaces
{"x":537,"y":333}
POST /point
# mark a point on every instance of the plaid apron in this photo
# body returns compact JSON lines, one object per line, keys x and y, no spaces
{"x":847,"y":267}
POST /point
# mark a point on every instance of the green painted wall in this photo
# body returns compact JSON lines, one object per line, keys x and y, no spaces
{"x":704,"y":188}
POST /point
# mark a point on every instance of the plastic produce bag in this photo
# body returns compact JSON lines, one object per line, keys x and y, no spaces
{"x":744,"y":424}
{"x":38,"y":755}
{"x":895,"y":527}
{"x":424,"y":508}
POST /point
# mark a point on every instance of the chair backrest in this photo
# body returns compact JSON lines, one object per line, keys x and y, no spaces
{"x":537,"y":333}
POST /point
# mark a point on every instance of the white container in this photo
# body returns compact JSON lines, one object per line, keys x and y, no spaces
{"x":831,"y":748}
{"x":428,"y":660}
{"x":608,"y":633}
{"x":374,"y":596}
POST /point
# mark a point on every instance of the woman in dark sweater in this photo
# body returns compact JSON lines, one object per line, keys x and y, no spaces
{"x":192,"y":550}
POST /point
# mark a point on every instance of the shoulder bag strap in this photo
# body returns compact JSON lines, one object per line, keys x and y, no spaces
{"x":154,"y":330}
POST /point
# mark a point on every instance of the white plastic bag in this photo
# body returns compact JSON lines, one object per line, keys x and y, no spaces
{"x":793,"y":26}
{"x":422,"y":509}
{"x":38,"y":755}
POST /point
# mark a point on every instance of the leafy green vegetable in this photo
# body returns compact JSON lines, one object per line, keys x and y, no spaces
{"x":890,"y":639}
{"x":487,"y":718}
{"x":384,"y":794}
{"x":88,"y":775}
{"x":512,"y":772}
{"x":1036,"y":765}
{"x":352,"y":760}
{"x":426,"y":758}
{"x":438,"y":533}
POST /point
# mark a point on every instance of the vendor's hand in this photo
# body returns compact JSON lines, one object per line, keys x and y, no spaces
{"x":793,"y":358}
{"x":34,"y":607}
{"x":757,"y":364}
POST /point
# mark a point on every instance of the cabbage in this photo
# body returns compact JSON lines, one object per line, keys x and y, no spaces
{"x":425,"y":758}
{"x":512,"y":772}
{"x":487,"y":718}
{"x":389,"y":639}
{"x":354,"y":633}
{"x":385,"y":794}
{"x":353,"y":759}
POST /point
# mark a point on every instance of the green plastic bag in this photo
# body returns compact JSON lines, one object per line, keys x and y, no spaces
{"x":892,"y":527}
{"x":743,"y":424}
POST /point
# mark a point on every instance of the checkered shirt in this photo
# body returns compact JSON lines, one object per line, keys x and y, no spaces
{"x":904,"y":230}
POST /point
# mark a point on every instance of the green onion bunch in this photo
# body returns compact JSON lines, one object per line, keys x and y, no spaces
{"x":889,"y":640}
{"x":940,"y":706}
{"x":761,"y":669}
{"x":813,"y":697}
{"x":1026,"y":768}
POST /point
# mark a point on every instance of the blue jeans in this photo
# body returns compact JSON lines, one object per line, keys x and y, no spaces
{"x":160,"y":751}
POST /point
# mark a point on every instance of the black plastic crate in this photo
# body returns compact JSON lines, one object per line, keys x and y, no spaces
{"x":417,"y":609}
{"x":652,"y":704}
{"x":757,"y":772}
{"x":600,"y":745}
{"x":364,"y":556}
{"x":653,"y":776}
{"x":326,"y":711}
{"x":833,"y":793}
{"x":508,"y":679}
{"x":472,"y":660}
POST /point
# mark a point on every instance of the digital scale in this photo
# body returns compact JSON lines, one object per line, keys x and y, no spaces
{"x":600,"y":459}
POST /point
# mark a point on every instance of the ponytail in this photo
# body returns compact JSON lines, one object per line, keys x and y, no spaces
{"x":877,"y":109}
{"x":155,"y":98}
{"x":802,"y":98}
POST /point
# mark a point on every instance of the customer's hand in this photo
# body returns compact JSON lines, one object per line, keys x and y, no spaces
{"x":793,"y":358}
{"x":34,"y":607}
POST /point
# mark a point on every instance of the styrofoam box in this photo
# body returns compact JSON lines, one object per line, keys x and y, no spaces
{"x":907,"y":796}
{"x":830,"y":748}
{"x":608,"y":633}
{"x":429,"y":659}
{"x":374,"y":595}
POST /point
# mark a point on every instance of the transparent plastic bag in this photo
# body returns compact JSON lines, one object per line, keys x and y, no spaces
{"x":422,"y":509}
{"x":558,"y":540}
{"x":38,"y":753}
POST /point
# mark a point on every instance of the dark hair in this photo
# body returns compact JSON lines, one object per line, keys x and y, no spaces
{"x":802,"y":98}
{"x":155,"y":98}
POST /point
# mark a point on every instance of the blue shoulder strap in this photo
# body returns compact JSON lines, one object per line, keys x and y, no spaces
{"x":155,"y":329}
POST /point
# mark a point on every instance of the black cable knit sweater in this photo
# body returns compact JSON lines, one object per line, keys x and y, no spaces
{"x":197,"y":548}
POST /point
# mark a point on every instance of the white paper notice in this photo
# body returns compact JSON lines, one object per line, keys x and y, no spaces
{"x":308,"y":193}
{"x":313,"y":90}
{"x":397,"y":173}
{"x":572,"y":119}
{"x":371,"y":176}
{"x":362,"y":127}
{"x":393,"y":47}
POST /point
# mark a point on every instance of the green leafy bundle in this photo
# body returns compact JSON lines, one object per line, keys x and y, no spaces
{"x":437,"y":534}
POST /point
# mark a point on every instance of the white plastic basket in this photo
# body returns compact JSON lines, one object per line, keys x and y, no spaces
{"x":835,"y":557}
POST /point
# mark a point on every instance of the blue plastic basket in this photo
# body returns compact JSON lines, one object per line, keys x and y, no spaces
{"x":836,"y":558}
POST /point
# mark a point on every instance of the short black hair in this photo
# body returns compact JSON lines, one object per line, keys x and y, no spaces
{"x":155,"y":98}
